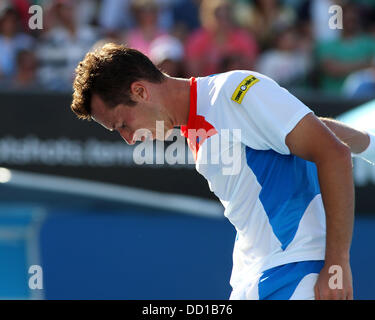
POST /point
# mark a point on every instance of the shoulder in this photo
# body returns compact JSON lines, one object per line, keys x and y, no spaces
{"x":240,"y":82}
{"x":232,"y":88}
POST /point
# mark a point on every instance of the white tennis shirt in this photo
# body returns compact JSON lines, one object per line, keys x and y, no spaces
{"x":237,"y":126}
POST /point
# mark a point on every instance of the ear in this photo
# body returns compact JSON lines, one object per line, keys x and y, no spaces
{"x":139,"y":91}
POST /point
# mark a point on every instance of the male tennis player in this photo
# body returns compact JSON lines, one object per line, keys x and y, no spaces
{"x":291,"y":200}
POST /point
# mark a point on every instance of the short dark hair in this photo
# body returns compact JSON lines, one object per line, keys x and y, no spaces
{"x":109,"y":72}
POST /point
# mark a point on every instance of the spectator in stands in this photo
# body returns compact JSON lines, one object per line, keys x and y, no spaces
{"x":166,"y":17}
{"x":263,"y":18}
{"x":218,"y":39}
{"x":369,"y":15}
{"x":186,"y":18}
{"x":352,"y":51}
{"x":146,"y":29}
{"x":167,"y":53}
{"x":286,"y":63}
{"x":86,"y":12}
{"x":305,"y":28}
{"x":22,"y":8}
{"x":114,"y":16}
{"x":11,"y":40}
{"x":26,"y":75}
{"x":320,"y":15}
{"x":63,"y":45}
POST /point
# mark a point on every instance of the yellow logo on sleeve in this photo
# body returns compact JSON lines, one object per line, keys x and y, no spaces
{"x":243,"y":87}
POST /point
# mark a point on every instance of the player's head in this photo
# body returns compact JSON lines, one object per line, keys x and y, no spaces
{"x":115,"y":86}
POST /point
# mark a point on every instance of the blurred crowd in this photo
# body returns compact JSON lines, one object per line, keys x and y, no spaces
{"x":290,"y":41}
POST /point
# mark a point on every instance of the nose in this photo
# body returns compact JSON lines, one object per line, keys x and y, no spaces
{"x":127,"y":136}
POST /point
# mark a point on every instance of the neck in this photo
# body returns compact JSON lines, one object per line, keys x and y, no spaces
{"x":177,"y":99}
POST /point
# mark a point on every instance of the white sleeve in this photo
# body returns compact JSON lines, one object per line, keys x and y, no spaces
{"x":265,"y":114}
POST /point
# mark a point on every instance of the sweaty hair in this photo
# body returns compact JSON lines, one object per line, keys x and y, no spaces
{"x":109,"y":72}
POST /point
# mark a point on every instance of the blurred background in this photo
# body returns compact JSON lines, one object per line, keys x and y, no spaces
{"x":73,"y":199}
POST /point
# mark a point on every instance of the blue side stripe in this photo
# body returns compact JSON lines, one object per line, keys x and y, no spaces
{"x":279,"y":283}
{"x":288,"y":183}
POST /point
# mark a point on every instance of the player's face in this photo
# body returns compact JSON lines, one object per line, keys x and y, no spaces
{"x":132,"y":122}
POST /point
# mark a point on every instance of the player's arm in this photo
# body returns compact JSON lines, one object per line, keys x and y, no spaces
{"x":312,"y":140}
{"x":361,"y":143}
